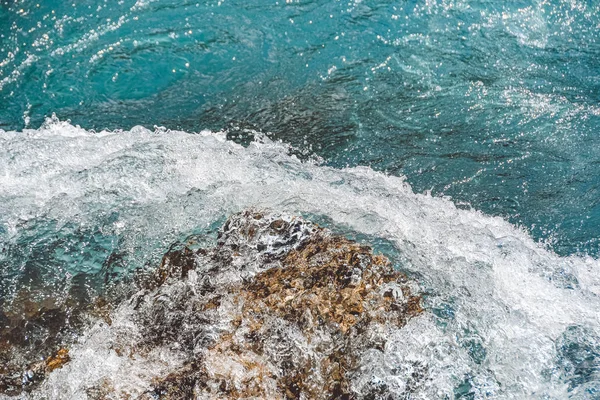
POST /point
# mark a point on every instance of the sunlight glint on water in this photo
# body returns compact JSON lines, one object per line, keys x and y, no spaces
{"x":493,"y":104}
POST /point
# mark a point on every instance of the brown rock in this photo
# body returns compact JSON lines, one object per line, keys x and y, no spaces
{"x":298,"y":328}
{"x":58,"y":360}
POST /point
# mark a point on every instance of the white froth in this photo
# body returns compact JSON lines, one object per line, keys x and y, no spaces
{"x":489,"y":283}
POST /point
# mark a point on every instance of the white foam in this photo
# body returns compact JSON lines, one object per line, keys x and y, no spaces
{"x":488,"y":281}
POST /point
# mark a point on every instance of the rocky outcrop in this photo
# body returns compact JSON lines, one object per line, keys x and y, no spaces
{"x":282,"y":309}
{"x":279,"y":308}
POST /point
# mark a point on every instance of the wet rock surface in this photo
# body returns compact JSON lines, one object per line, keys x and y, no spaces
{"x":280,"y":308}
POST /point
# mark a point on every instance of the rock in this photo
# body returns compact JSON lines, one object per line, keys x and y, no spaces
{"x":38,"y":326}
{"x":58,"y":360}
{"x":284,"y":309}
{"x":280,"y":309}
{"x":14,"y":378}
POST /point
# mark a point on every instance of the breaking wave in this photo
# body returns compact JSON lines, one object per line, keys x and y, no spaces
{"x":504,"y":316}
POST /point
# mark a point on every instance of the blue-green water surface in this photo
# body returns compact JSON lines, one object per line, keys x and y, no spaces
{"x":495,"y":104}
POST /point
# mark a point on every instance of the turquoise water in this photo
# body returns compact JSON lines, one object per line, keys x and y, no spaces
{"x":459,"y":138}
{"x":494,"y":104}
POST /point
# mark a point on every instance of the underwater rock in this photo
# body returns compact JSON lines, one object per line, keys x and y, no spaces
{"x":29,"y":330}
{"x":34,"y":330}
{"x":279,"y":308}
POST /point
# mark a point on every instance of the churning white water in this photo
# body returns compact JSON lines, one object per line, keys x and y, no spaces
{"x":505,"y":317}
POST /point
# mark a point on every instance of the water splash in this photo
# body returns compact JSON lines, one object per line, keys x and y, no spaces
{"x":497,"y":302}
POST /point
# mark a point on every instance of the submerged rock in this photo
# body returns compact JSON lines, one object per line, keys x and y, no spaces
{"x":33,"y":336}
{"x":280,"y":308}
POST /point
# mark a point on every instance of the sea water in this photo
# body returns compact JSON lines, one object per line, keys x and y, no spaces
{"x":494,"y":104}
{"x":459,"y":138}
